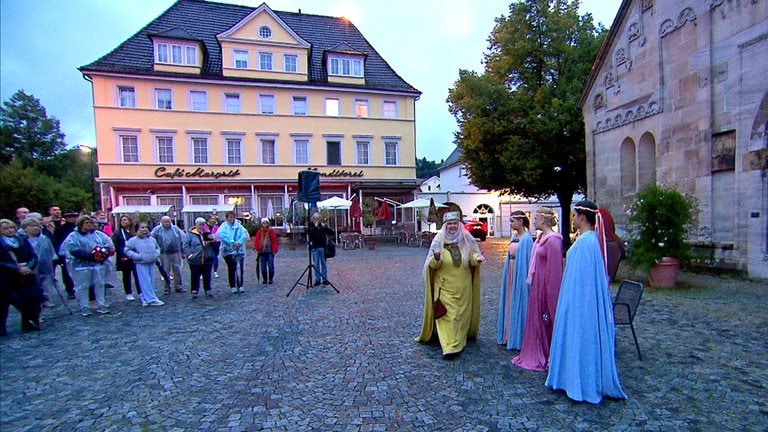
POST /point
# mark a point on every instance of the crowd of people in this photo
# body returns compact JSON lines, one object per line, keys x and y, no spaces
{"x":556,"y":312}
{"x":89,"y":252}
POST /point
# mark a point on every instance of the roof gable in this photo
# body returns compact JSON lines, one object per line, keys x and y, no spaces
{"x":248,"y":29}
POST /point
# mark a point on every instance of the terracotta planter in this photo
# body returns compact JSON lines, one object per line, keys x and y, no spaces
{"x":664,"y":274}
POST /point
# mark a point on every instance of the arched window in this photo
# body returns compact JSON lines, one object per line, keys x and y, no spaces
{"x":646,"y":161}
{"x":628,"y":167}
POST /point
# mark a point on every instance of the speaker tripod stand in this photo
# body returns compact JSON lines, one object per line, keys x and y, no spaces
{"x":308,"y":272}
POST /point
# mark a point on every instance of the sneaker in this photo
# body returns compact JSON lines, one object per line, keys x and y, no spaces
{"x":326,"y":282}
{"x":241,"y":290}
{"x":167,"y":290}
{"x":233,"y":290}
{"x":216,"y":275}
{"x":270,"y":282}
{"x":317,"y":283}
{"x":86,"y":312}
{"x":157,"y":303}
{"x":48,"y":304}
{"x":130,"y":297}
{"x":145,"y":304}
{"x":102,"y":310}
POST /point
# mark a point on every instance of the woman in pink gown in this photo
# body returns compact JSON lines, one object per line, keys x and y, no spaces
{"x":545,"y":275}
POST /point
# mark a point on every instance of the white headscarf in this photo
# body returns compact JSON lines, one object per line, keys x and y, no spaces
{"x":467,"y":245}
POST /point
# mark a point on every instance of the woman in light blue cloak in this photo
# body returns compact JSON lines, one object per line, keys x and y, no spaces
{"x":513,"y":301}
{"x":582,"y":354}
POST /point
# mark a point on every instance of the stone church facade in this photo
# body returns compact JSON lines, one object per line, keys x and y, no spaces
{"x":678,"y":95}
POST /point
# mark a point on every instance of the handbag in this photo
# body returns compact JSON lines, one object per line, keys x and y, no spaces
{"x":330,"y":249}
{"x":438,"y":308}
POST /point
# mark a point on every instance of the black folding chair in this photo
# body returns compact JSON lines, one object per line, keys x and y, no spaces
{"x":625,"y":307}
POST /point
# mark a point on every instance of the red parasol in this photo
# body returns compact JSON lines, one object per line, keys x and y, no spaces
{"x":354,"y":210}
{"x":385,"y":213}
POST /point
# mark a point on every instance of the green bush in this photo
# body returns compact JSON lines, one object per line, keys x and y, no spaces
{"x":659,"y":222}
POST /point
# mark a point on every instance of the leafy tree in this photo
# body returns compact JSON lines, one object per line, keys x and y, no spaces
{"x":26,"y":131}
{"x":520,"y":127}
{"x":426,"y":168}
{"x":29,"y":188}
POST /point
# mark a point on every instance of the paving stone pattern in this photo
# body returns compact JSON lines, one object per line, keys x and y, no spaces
{"x":322,"y":361}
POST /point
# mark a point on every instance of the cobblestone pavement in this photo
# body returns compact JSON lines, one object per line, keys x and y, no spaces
{"x":326,"y":361}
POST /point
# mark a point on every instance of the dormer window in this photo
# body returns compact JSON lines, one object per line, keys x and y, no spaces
{"x":345,"y":65}
{"x":265,"y":32}
{"x":176,"y":53}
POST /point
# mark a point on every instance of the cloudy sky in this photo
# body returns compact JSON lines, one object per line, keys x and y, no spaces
{"x":43,"y":42}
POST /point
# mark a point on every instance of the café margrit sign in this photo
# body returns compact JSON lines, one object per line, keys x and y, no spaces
{"x":182,"y":173}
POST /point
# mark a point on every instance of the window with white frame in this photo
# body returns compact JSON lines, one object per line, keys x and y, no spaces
{"x":204,"y":200}
{"x":232,"y":102}
{"x":135,"y":200}
{"x":198,"y":100}
{"x":234,"y":149}
{"x":266,"y":104}
{"x":267,"y":201}
{"x":389,"y":109}
{"x":267,"y":151}
{"x":200,"y":150}
{"x":332,"y":107}
{"x":265,"y":32}
{"x":265,"y":61}
{"x":391,"y":152}
{"x":241,"y":59}
{"x":343,"y":65}
{"x":164,"y":149}
{"x":361,"y":108}
{"x":299,"y":105}
{"x":163,"y":99}
{"x":301,"y":151}
{"x":191,"y":55}
{"x":363,"y":152}
{"x":243,"y":203}
{"x":161,"y":50}
{"x":129,"y":147}
{"x":177,"y":201}
{"x":127,"y":96}
{"x":290,"y":63}
{"x":176,"y":53}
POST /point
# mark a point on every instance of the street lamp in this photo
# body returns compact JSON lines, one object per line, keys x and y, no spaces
{"x":91,"y":153}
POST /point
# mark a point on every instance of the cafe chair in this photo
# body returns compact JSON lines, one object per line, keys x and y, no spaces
{"x":625,"y":307}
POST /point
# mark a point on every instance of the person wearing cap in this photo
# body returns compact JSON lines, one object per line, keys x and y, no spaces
{"x":544,"y":275}
{"x":582,"y":357}
{"x":87,"y":251}
{"x":452,"y":275}
{"x":513,"y":299}
{"x":233,"y":236}
{"x":265,"y":245}
{"x":198,"y":246}
{"x":170,"y":239}
{"x":60,"y":234}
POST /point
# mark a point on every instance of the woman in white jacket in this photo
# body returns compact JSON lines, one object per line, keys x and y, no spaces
{"x":144,"y":251}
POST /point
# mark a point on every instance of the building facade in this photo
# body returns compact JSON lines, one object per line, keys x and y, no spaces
{"x":678,"y":96}
{"x":215,"y":106}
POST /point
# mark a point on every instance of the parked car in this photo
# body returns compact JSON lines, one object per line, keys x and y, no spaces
{"x":478,"y":229}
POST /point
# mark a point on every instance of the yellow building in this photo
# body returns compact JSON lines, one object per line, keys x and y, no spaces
{"x":212,"y":104}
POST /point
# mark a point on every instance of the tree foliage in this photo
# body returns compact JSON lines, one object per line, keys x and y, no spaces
{"x":520,"y":127}
{"x":36,"y":167}
{"x":427,"y":168}
{"x":27,"y":133}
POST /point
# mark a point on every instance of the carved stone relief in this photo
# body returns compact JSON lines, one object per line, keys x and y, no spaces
{"x":629,"y":116}
{"x":647,"y":4}
{"x":668,"y":26}
{"x":599,"y":102}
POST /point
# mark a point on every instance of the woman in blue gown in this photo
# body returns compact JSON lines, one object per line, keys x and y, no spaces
{"x":582,"y":355}
{"x":513,"y":299}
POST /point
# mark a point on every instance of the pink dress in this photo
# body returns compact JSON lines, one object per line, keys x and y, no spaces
{"x":545,"y":276}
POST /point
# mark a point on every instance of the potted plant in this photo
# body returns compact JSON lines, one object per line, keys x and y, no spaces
{"x":660,"y":219}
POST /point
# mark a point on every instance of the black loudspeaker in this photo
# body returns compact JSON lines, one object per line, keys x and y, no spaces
{"x":309,"y":187}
